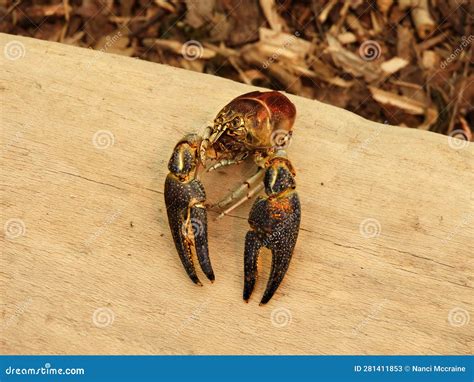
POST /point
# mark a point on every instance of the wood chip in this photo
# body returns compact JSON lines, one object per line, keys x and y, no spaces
{"x":274,"y":19}
{"x":198,"y":12}
{"x":408,"y":105}
{"x":424,"y":23}
{"x":430,"y":60}
{"x":347,"y":38}
{"x":350,"y":62}
{"x":177,"y":47}
{"x":384,"y":6}
{"x":393,"y":65}
{"x":327,"y":9}
{"x":285,"y":43}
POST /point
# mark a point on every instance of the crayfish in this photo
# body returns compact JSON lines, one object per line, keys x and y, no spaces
{"x":256,"y":125}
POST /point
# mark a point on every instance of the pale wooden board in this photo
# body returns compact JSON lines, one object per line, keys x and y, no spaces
{"x":345,"y":293}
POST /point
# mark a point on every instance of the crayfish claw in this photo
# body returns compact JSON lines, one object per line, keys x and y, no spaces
{"x":280,"y":262}
{"x":187,"y":215}
{"x":274,"y":222}
{"x":256,"y":124}
{"x":252,"y":248}
{"x":199,"y":232}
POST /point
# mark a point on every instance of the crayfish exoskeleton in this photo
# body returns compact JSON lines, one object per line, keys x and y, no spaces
{"x":256,"y":124}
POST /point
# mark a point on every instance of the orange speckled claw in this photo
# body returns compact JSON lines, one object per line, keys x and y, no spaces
{"x":274,"y":222}
{"x":187,"y":215}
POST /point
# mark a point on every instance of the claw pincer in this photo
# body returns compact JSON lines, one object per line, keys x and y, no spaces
{"x":274,"y":222}
{"x":187,"y":216}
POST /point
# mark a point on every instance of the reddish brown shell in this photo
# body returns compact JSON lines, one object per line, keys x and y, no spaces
{"x":268,"y":116}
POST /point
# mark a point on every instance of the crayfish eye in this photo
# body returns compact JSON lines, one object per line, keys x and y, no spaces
{"x":236,"y":122}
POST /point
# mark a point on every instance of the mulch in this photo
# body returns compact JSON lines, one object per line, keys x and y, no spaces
{"x":405,"y":62}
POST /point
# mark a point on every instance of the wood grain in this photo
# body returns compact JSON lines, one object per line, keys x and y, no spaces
{"x":89,"y":266}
